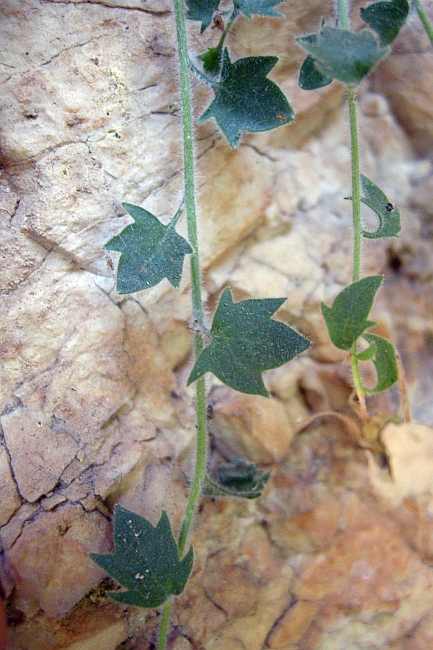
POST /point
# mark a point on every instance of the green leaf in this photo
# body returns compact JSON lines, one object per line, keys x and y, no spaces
{"x":258,"y":7}
{"x":343,"y":55}
{"x":384,"y":362}
{"x":146,"y":560}
{"x":368,"y":354}
{"x":213,"y":58}
{"x":245,"y":100}
{"x":202,"y":10}
{"x":347,"y":318}
{"x":389,"y":216}
{"x":309,"y":76}
{"x":240,"y":478}
{"x":245,"y":342}
{"x":150,"y":251}
{"x":386,"y":18}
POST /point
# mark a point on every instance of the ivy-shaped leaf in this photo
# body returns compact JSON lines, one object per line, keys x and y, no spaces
{"x":389,"y":215}
{"x":245,"y":100}
{"x":346,"y":320}
{"x":202,"y":10}
{"x":244,"y":342}
{"x":258,"y":7}
{"x":384,"y":361}
{"x":342,"y":54}
{"x":146,"y":560}
{"x":309,"y":76}
{"x":386,"y":18}
{"x":240,"y":478}
{"x":150,"y":251}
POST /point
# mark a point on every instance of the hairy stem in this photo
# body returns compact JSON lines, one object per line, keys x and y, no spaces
{"x":356,"y":196}
{"x":343,"y":14}
{"x":197,"y":309}
{"x":164,"y":625}
{"x":425,"y":21}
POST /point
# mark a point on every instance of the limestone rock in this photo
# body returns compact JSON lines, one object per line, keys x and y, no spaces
{"x":94,"y":409}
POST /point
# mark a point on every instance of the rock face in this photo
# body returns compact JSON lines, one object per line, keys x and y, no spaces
{"x":94,"y":409}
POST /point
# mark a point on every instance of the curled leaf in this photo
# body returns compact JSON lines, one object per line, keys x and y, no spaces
{"x":389,"y":215}
{"x":384,"y":362}
{"x":239,"y":478}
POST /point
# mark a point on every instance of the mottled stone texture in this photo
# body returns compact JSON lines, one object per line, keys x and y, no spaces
{"x":94,"y":409}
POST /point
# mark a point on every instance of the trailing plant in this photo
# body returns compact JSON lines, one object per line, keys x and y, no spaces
{"x":338,"y":53}
{"x":243,"y":340}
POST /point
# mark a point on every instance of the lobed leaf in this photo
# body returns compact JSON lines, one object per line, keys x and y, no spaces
{"x":258,"y":7}
{"x":150,"y":251}
{"x":213,"y":59}
{"x":389,"y":216}
{"x":245,"y":100}
{"x":342,"y":54}
{"x":384,"y":361}
{"x":386,"y":18}
{"x":309,"y":76}
{"x":346,"y":320}
{"x":239,"y":478}
{"x":202,"y":10}
{"x":244,"y":342}
{"x":146,"y":560}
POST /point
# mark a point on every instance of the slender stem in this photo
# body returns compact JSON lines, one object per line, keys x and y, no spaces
{"x":200,"y":465}
{"x":197,"y":309}
{"x":164,"y":625}
{"x":357,"y":381}
{"x":356,"y":196}
{"x":343,"y":14}
{"x":424,"y":19}
{"x":188,"y":160}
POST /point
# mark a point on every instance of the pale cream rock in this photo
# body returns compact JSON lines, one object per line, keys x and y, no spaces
{"x":409,"y":448}
{"x":108,"y":638}
{"x":255,"y":427}
{"x":10,"y":499}
{"x":38,"y":453}
{"x":67,"y":534}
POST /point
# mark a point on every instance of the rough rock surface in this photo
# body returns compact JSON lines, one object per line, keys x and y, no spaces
{"x":94,"y":410}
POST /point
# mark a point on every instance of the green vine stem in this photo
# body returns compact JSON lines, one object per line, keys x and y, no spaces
{"x":343,"y":16}
{"x":197,"y":308}
{"x":424,"y":19}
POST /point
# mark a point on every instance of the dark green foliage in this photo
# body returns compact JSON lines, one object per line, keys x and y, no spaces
{"x":146,"y":560}
{"x":309,"y":76}
{"x":245,"y":100}
{"x":389,"y":215}
{"x":346,"y":320}
{"x":150,"y":251}
{"x":202,"y":10}
{"x":240,"y":478}
{"x":245,"y":342}
{"x":386,"y":18}
{"x":382,"y":353}
{"x":213,"y":59}
{"x":343,"y":55}
{"x":258,"y":7}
